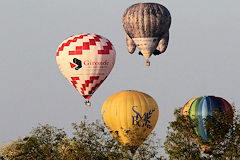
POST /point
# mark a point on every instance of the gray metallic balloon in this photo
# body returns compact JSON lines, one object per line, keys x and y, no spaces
{"x":147,"y":27}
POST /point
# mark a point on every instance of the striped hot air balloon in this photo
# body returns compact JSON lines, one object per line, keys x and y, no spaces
{"x":199,"y":110}
{"x":130,"y":116}
{"x":86,"y":61}
{"x":147,"y":26}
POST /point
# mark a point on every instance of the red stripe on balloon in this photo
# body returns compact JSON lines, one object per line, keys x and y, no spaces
{"x":87,"y":96}
{"x":74,"y":81}
{"x":69,"y":42}
{"x":93,"y":89}
{"x":106,"y":48}
{"x":92,"y":42}
{"x":87,"y":82}
{"x":86,"y":45}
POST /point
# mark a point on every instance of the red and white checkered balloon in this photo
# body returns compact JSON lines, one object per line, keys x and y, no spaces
{"x":86,"y":60}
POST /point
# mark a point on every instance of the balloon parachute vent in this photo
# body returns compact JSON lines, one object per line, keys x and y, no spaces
{"x":147,"y":63}
{"x":87,"y":104}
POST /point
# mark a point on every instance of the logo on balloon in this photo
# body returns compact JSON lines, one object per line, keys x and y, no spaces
{"x":77,"y":63}
{"x":142,"y":120}
{"x":100,"y":63}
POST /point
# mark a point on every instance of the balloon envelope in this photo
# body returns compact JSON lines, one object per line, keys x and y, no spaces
{"x":200,"y":109}
{"x":86,"y":60}
{"x":130,"y":116}
{"x":186,"y":107}
{"x":147,"y":26}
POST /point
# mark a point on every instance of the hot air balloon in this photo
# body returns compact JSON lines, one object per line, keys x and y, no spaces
{"x":86,"y":61}
{"x":185,"y":110}
{"x":147,"y":26}
{"x":130,"y":116}
{"x":206,"y":109}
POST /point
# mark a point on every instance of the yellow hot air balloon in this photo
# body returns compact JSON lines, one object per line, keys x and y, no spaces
{"x":130,"y":116}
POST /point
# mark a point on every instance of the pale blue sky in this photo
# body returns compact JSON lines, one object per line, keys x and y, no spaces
{"x":202,"y":59}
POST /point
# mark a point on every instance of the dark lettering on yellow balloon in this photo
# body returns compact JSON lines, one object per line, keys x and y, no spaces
{"x":142,"y":120}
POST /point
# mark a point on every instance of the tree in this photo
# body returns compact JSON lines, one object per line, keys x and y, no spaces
{"x":180,"y":142}
{"x":230,"y":147}
{"x":43,"y":143}
{"x":90,"y":141}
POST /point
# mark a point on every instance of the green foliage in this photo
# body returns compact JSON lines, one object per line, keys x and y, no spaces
{"x":224,"y":142}
{"x":179,"y":142}
{"x":229,"y":148}
{"x":90,"y":141}
{"x":42,"y":144}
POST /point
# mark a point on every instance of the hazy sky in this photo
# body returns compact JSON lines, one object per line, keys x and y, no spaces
{"x":202,"y":59}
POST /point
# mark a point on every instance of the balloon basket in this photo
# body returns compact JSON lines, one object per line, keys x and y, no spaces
{"x":147,"y":63}
{"x":87,"y":104}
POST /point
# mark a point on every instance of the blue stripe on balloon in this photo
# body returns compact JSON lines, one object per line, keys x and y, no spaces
{"x":212,"y":104}
{"x":202,"y":116}
{"x":209,"y":105}
{"x":220,"y":105}
{"x":209,"y":112}
{"x":203,"y":107}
